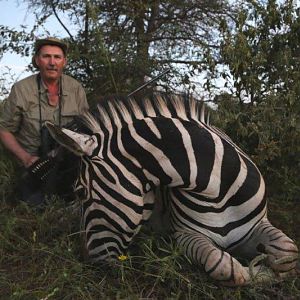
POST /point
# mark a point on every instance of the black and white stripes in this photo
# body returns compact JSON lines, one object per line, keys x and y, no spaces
{"x":216,"y":193}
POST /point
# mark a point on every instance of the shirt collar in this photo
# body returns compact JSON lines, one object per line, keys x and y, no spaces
{"x":44,"y":87}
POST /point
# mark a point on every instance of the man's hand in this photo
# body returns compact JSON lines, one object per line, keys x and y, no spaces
{"x":30,"y":160}
{"x":10,"y":142}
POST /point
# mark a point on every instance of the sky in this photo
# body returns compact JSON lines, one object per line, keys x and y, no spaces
{"x":11,"y":15}
{"x":14,"y":13}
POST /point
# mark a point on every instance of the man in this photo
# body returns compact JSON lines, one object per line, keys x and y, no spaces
{"x":47,"y":96}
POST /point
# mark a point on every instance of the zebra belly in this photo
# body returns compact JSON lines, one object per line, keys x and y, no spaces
{"x":226,"y":224}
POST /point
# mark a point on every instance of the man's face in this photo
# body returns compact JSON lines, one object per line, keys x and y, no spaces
{"x":51,"y":62}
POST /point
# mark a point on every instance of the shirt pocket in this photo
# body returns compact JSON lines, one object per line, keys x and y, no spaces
{"x":67,"y":117}
{"x":31,"y":121}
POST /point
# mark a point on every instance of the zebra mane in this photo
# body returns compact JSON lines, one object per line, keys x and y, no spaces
{"x":119,"y":111}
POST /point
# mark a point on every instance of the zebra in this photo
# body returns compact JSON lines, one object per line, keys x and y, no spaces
{"x":216,"y":195}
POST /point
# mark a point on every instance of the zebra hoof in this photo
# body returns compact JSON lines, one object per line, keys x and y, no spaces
{"x":283,"y":264}
{"x":258,"y":272}
{"x":286,"y":275}
{"x":262,"y":274}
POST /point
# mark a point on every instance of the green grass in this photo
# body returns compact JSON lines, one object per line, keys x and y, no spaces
{"x":40,"y":259}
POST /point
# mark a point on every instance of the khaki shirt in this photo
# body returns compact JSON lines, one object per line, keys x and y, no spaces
{"x":21,"y":113}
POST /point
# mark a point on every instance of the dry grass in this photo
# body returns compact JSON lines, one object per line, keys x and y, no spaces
{"x":40,"y":259}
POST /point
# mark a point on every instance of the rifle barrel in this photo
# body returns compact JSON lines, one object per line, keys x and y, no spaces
{"x":148,"y":82}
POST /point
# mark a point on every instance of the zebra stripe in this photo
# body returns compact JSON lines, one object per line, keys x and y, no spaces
{"x":215,"y":200}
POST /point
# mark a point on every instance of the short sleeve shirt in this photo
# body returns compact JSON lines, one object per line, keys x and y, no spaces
{"x":21,"y":110}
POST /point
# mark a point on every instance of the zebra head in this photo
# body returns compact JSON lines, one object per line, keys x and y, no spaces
{"x":78,"y":143}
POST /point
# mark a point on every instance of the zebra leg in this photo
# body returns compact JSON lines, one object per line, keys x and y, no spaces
{"x":218,"y":264}
{"x":281,"y":252}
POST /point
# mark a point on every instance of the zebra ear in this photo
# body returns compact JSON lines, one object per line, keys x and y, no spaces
{"x":78,"y":143}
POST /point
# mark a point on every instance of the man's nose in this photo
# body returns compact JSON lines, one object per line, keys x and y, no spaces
{"x":52,"y":60}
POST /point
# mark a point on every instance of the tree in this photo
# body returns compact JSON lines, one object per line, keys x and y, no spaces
{"x":262,"y":52}
{"x":261,"y":112}
{"x":116,"y":44}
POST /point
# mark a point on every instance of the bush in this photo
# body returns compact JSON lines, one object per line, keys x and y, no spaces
{"x":270,"y":134}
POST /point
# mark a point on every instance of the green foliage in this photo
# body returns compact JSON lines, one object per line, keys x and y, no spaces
{"x":261,"y":112}
{"x":12,"y":40}
{"x":7,"y":170}
{"x":262,"y":51}
{"x":269,"y":133}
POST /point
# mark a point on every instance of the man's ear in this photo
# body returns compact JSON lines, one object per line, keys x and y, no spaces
{"x":36,"y":60}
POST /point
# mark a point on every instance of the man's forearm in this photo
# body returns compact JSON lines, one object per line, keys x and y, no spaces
{"x":11,"y":143}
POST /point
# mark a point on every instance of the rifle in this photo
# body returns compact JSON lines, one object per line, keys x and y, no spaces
{"x":149,"y":82}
